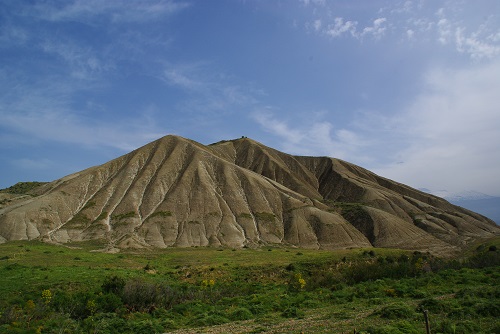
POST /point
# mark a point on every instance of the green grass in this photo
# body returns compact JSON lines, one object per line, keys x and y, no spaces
{"x":253,"y":290}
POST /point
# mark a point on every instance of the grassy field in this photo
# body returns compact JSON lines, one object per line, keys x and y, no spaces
{"x":54,"y":289}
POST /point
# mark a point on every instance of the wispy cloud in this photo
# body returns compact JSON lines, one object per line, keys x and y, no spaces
{"x":377,"y":30}
{"x":11,"y":34}
{"x":476,"y":47}
{"x":450,"y":25}
{"x":341,"y":27}
{"x":187,"y":76}
{"x":33,"y":164}
{"x":445,"y":138}
{"x":44,"y":110}
{"x":209,"y":92}
{"x":81,"y":62}
{"x":313,"y":137}
{"x":314,"y":2}
{"x":46,"y":86}
{"x":452,"y":132}
{"x":113,"y":10}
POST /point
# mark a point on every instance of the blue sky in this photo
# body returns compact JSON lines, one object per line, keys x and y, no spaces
{"x":407,"y":89}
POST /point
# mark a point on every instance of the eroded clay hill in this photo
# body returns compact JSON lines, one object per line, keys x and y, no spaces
{"x":175,"y":192}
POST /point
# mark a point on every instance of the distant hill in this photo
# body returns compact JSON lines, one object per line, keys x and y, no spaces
{"x":23,"y":188}
{"x":175,"y":192}
{"x":489,"y":207}
{"x":484,"y":204}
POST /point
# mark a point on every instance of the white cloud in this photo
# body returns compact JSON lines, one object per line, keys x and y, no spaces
{"x":467,"y":29}
{"x":406,"y":7}
{"x":314,"y":2}
{"x":339,"y":27}
{"x":446,"y":138}
{"x":317,"y":25}
{"x":312,"y":137}
{"x":410,"y":33}
{"x":444,"y":31}
{"x":452,"y":129}
{"x":377,"y":30}
{"x":474,"y":46}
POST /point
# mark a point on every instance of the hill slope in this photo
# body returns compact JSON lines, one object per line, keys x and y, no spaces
{"x":176,"y":192}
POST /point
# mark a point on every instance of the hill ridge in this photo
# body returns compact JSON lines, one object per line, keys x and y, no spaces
{"x":175,"y":192}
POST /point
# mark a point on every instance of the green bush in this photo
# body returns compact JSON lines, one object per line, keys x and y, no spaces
{"x":22,"y":188}
{"x":209,"y":319}
{"x":146,"y":327}
{"x":292,"y":312}
{"x":240,"y":313}
{"x":108,"y":302}
{"x":113,"y":284}
{"x":72,"y":303}
{"x":106,"y":323}
{"x":432,"y":305}
{"x":59,"y":323}
{"x":467,"y":326}
{"x":396,"y":311}
{"x":488,"y":308}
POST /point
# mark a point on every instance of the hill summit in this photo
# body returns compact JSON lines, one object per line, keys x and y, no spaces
{"x":175,"y":192}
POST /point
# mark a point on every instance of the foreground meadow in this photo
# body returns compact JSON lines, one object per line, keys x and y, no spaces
{"x":55,"y":289}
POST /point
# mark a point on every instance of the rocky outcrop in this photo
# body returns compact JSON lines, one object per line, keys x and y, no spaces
{"x":175,"y":192}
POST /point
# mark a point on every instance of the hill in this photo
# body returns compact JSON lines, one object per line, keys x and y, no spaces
{"x":489,"y":206}
{"x":175,"y":192}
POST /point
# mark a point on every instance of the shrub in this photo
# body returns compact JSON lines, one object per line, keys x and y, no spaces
{"x":445,"y":327}
{"x":113,"y":284}
{"x":74,"y":304}
{"x":240,"y":313}
{"x":59,"y":323}
{"x":139,"y":295}
{"x":432,"y":305}
{"x":488,"y":308}
{"x":209,"y":319}
{"x":396,"y":311}
{"x":108,"y":302}
{"x":292,"y":312}
{"x":468,"y":326}
{"x":146,"y":327}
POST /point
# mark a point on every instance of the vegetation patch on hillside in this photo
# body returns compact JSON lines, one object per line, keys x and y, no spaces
{"x":161,"y":214}
{"x":122,"y":216}
{"x":78,"y":220}
{"x":265,"y":216}
{"x":22,"y":188}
